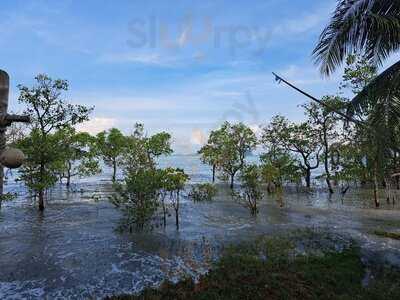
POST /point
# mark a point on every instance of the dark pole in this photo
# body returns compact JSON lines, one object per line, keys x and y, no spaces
{"x":347,"y":117}
{"x":4,"y":88}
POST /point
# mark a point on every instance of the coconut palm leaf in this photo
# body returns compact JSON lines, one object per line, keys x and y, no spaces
{"x":382,"y":89}
{"x":386,"y":113}
{"x":369,"y":26}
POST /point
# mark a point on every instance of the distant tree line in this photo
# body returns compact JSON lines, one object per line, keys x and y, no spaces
{"x":350,"y":153}
{"x":364,"y":153}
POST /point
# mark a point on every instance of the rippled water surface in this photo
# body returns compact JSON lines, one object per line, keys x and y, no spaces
{"x":73,"y":250}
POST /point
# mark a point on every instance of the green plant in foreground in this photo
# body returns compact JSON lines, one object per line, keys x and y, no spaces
{"x":7,"y":197}
{"x":391,"y":235}
{"x":174,"y":181}
{"x":144,"y":186}
{"x":251,"y":192}
{"x":137,"y":197}
{"x":267,"y":270}
{"x":203,"y":192}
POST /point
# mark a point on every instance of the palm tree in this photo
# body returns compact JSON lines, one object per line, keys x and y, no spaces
{"x":370,"y":27}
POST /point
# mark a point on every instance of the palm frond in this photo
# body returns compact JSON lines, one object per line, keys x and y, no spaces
{"x":369,"y":26}
{"x":386,"y":114}
{"x":382,"y":89}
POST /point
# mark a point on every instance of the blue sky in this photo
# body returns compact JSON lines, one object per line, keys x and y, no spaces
{"x":180,"y":66}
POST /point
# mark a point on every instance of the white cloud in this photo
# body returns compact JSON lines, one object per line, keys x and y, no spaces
{"x":198,"y":137}
{"x":303,"y":75}
{"x":96,"y":125}
{"x":294,"y":28}
{"x":255,"y":128}
{"x":138,"y":58}
{"x":248,"y":97}
{"x":301,"y":25}
{"x":37,"y":21}
{"x":137,"y":104}
{"x":124,"y":102}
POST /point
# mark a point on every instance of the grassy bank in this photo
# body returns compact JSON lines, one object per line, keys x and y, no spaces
{"x":386,"y":234}
{"x":273,"y":268}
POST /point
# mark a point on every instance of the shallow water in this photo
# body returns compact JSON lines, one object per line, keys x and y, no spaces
{"x":72,"y":250}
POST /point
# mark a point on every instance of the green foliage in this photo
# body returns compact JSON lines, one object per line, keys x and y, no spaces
{"x":145,"y":187}
{"x":78,"y":154}
{"x":270,"y":173}
{"x":137,"y":197}
{"x":348,"y":164}
{"x":159,"y":144}
{"x":301,"y":139}
{"x":174,"y":181}
{"x":142,"y":151}
{"x":203,"y":192}
{"x":368,"y":26}
{"x":66,"y":154}
{"x":279,"y":167}
{"x":227,"y":148}
{"x":267,"y":270}
{"x":370,"y":29}
{"x":374,"y":143}
{"x":39,"y":171}
{"x":7,"y":197}
{"x":111,"y":145}
{"x":326,"y":122}
{"x":323,"y":116}
{"x":358,"y":73}
{"x":364,"y":152}
{"x":47,"y":109}
{"x":48,"y":112}
{"x":386,"y":234}
{"x":210,"y":155}
{"x":251,"y":193}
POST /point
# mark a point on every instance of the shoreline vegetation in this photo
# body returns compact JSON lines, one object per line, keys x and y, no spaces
{"x":275,"y":268}
{"x":387,"y":234}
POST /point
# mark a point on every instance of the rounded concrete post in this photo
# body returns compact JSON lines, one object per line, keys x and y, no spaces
{"x":4,"y":90}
